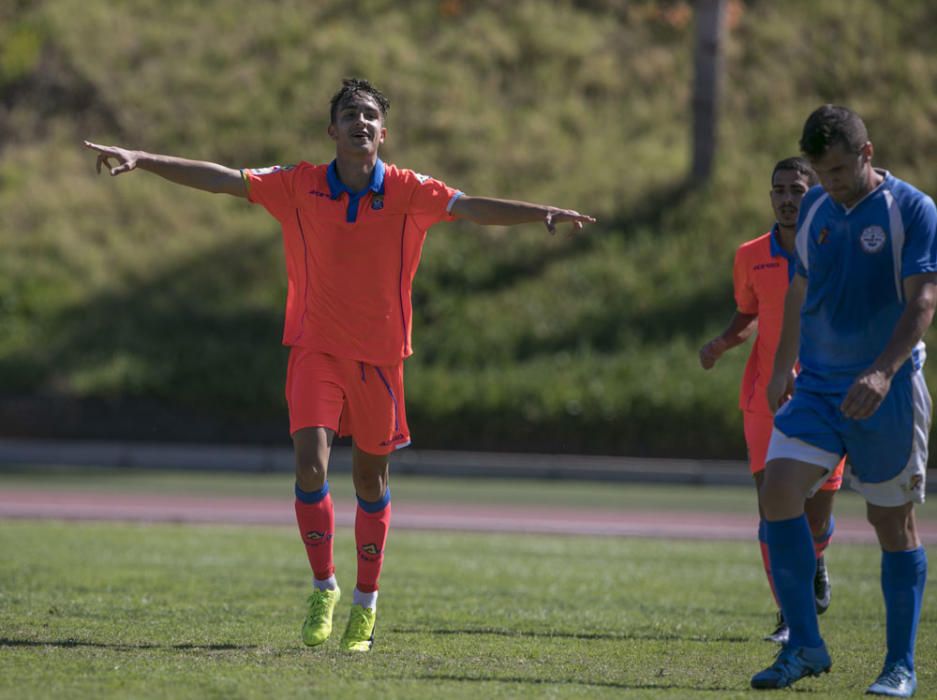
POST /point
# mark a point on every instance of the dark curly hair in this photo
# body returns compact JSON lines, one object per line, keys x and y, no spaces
{"x":831,"y":124}
{"x":798,"y":164}
{"x":356,"y":86}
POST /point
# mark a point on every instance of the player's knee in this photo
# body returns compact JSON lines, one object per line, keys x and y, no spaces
{"x":311,"y":472}
{"x":886,"y":519}
{"x":370,"y":485}
{"x":370,"y":474}
{"x":780,"y":501}
{"x":894,"y":528}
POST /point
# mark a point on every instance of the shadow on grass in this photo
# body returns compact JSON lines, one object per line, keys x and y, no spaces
{"x":610,"y":636}
{"x":78,"y":643}
{"x":622,"y":685}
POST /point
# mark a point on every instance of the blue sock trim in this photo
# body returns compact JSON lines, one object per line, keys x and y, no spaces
{"x":312,"y":496}
{"x":375,"y":506}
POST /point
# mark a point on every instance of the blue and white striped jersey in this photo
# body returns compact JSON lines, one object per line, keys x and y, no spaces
{"x":854,"y":261}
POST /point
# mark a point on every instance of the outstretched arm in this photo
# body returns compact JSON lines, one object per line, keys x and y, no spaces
{"x":867,"y":392}
{"x":740,"y":328}
{"x":199,"y":174}
{"x":505,"y":212}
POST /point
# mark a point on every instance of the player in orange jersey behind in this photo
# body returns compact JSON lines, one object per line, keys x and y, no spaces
{"x":762,"y":271}
{"x":353,"y":232}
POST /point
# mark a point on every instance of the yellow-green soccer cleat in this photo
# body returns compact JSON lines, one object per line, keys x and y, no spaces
{"x":359,"y":634}
{"x":318,"y":624}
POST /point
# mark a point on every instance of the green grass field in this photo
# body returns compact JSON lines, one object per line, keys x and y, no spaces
{"x":93,"y":610}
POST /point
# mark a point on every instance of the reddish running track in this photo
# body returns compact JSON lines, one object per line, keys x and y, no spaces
{"x":75,"y":505}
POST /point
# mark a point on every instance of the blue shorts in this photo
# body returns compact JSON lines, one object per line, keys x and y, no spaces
{"x":887,"y":451}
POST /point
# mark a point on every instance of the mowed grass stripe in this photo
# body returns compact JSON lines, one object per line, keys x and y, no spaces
{"x":104,"y":610}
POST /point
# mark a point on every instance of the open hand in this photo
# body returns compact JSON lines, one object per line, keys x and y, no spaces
{"x":126,"y":160}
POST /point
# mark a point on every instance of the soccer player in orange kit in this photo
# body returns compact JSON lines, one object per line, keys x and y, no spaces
{"x":353,"y":232}
{"x":762,"y":272}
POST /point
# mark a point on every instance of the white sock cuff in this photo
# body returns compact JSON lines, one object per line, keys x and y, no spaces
{"x":365,"y":600}
{"x":328,"y":584}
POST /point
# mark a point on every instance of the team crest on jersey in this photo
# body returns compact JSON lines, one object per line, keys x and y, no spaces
{"x":377,"y":202}
{"x":872,"y":239}
{"x":824,"y":232}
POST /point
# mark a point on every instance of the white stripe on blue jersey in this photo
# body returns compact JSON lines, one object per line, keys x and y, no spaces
{"x":855,"y":261}
{"x":800,"y":241}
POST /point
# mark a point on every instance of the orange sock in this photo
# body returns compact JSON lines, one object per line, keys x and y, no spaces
{"x":372,"y":521}
{"x":316,"y":519}
{"x":766,"y":561}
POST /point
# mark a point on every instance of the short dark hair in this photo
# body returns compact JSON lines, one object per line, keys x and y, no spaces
{"x":801,"y":165}
{"x":354,"y":86}
{"x":831,"y":124}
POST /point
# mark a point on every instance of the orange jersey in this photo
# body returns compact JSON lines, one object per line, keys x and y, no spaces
{"x":351,"y":256}
{"x":761,"y":276}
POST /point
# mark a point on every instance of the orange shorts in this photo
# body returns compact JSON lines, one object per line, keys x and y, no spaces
{"x":349,"y":397}
{"x":758,"y":427}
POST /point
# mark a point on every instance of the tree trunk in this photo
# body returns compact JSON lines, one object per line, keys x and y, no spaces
{"x":707,"y":84}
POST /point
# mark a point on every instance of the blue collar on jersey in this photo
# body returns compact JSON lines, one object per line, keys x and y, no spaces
{"x":777,"y":249}
{"x":337,"y":187}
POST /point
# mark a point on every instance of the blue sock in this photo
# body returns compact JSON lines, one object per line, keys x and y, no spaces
{"x":793,"y":565}
{"x":903,"y":577}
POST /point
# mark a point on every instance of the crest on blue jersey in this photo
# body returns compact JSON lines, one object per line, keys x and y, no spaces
{"x":872,"y":239}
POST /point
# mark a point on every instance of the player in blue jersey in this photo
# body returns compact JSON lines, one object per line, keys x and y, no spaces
{"x":855,"y":313}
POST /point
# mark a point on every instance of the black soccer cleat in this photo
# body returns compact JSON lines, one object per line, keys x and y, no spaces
{"x":781,"y":633}
{"x":821,"y":587}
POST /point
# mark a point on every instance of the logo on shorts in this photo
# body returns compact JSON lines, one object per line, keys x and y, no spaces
{"x":872,"y":239}
{"x":377,"y":202}
{"x":395,"y":439}
{"x":917,"y":481}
